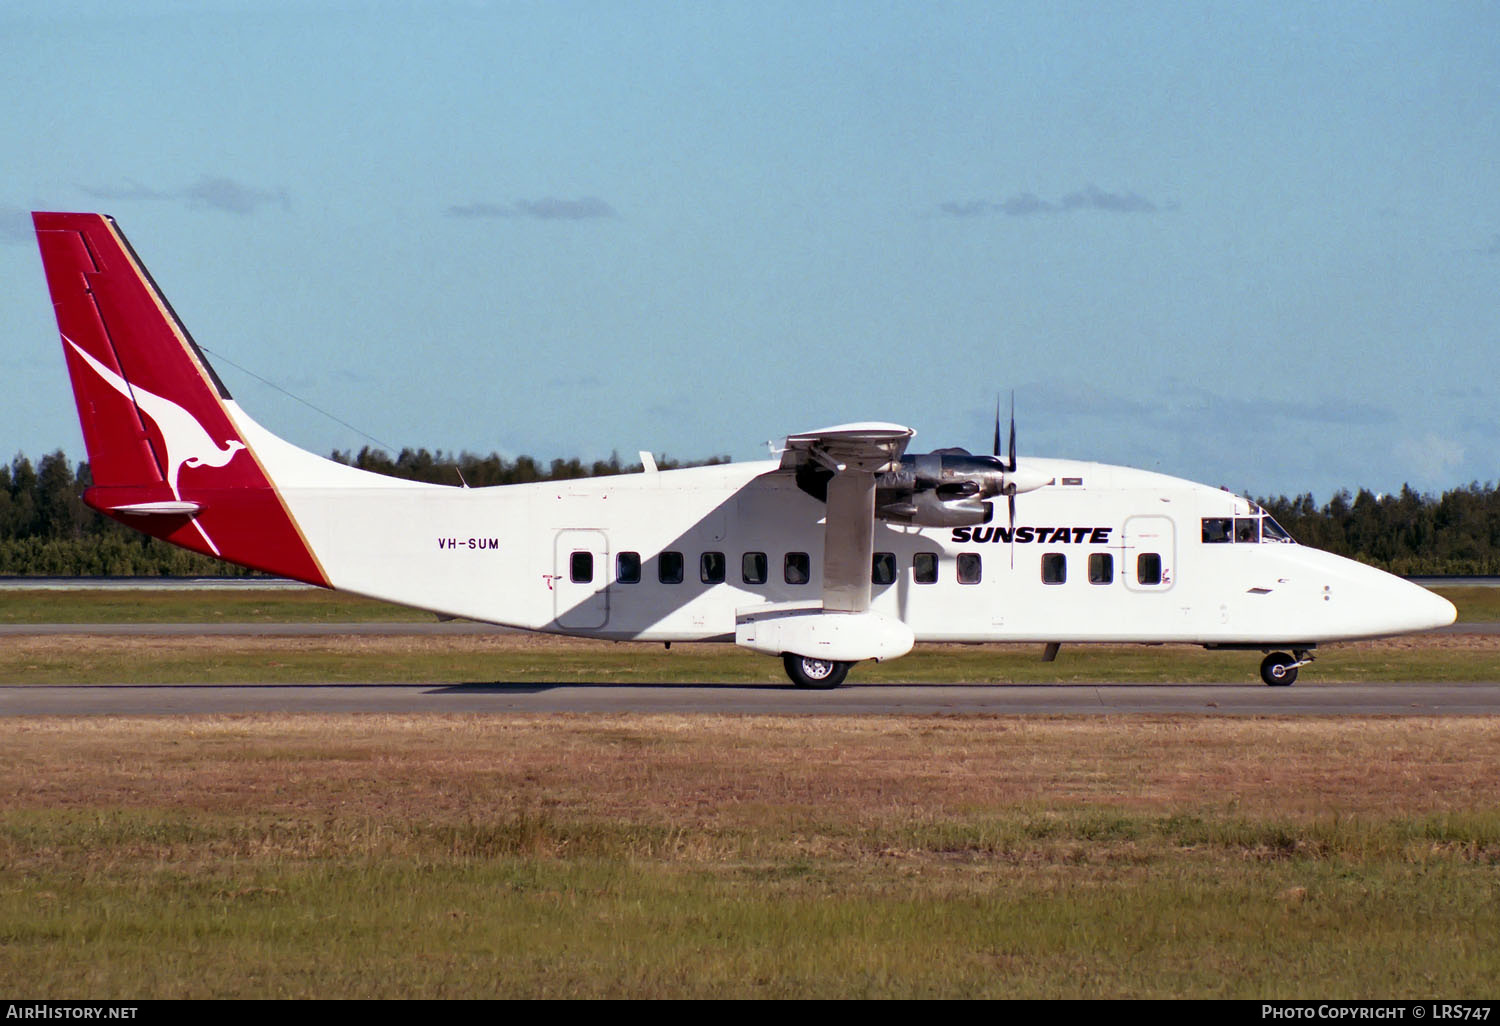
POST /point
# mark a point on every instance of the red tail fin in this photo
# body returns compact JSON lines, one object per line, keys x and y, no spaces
{"x":165,"y":455}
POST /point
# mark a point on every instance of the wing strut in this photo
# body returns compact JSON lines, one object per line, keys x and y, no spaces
{"x":849,"y":541}
{"x":855,"y":453}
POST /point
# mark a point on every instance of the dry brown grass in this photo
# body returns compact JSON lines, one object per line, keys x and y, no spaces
{"x":737,"y":771}
{"x":667,"y":855}
{"x":125,"y":647}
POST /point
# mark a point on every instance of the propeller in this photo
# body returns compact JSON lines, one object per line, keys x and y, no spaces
{"x":1014,"y":480}
{"x":1008,"y":466}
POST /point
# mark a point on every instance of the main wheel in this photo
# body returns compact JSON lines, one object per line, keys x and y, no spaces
{"x":1278,"y":669}
{"x":807,"y":672}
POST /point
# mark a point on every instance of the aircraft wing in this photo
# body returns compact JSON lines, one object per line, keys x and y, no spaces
{"x":855,"y":453}
{"x":870,"y":447}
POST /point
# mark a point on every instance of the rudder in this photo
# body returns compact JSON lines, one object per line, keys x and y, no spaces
{"x":162,"y":447}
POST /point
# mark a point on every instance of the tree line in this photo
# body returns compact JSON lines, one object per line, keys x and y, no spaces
{"x":46,"y":530}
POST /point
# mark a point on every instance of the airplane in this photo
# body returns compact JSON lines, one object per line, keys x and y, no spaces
{"x":842,"y":549}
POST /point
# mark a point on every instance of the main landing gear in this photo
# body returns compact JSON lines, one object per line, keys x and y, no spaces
{"x":1279,"y":669}
{"x":807,"y":672}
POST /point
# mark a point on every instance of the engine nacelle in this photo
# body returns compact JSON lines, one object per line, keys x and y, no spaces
{"x":927,"y":509}
{"x":946,"y":488}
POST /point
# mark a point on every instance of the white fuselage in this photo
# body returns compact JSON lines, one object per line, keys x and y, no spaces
{"x":559,"y":556}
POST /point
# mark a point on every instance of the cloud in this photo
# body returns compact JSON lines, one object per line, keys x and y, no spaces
{"x":1434,"y":458}
{"x":966,"y":208}
{"x":481,"y":210}
{"x":1024,"y":204}
{"x":548,"y":208}
{"x":1185,"y":406}
{"x":132,"y":191}
{"x":1094,"y":198}
{"x":1182,"y":406}
{"x":1067,"y":400}
{"x":228,"y":195}
{"x":208,"y":192}
{"x":1027,"y":204}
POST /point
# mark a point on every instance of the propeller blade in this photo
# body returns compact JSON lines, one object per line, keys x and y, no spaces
{"x":1010,"y":498}
{"x":996,"y":452}
{"x":1012,"y":466}
{"x":1011,"y":504}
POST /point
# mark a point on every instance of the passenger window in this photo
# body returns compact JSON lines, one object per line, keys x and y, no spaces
{"x":924,"y":567}
{"x":797,"y":569}
{"x":753,"y":567}
{"x":1247,"y":529}
{"x":1101,"y":568}
{"x":711,"y":568}
{"x":581,"y":567}
{"x":628,"y":568}
{"x":883,"y":568}
{"x":1054,"y":568}
{"x":1216,"y":529}
{"x":1148,"y":568}
{"x":970,"y":568}
{"x":669,"y":568}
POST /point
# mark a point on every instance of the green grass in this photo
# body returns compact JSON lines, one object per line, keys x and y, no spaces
{"x":146,"y":605}
{"x":1475,"y":605}
{"x":485,"y":660}
{"x":699,"y":856}
{"x":1104,"y":903}
{"x":24,"y":606}
{"x":26,"y":660}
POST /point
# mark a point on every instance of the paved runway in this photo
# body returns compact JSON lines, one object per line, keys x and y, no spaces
{"x":1422,"y":699}
{"x":259,"y":630}
{"x":1309,"y":697}
{"x":424,"y":627}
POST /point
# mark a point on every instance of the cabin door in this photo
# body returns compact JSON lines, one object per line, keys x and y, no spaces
{"x":580,"y":585}
{"x":1150,"y":548}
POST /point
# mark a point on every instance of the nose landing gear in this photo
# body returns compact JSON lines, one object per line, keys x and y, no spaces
{"x":1279,"y":669}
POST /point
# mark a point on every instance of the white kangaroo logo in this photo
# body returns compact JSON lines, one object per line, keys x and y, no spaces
{"x":187,"y":443}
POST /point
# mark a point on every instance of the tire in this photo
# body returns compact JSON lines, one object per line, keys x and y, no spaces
{"x":820,"y":674}
{"x":1278,"y":669}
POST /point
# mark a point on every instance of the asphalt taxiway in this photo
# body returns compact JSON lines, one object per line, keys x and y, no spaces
{"x":1409,"y":699}
{"x":418,"y":628}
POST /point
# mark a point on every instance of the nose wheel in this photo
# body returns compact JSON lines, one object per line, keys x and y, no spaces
{"x":1279,"y":669}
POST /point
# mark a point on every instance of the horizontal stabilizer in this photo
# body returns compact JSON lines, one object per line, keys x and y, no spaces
{"x":146,"y":509}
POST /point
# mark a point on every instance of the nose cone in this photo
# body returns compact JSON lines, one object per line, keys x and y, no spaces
{"x":1363,"y":602}
{"x":1426,"y":610}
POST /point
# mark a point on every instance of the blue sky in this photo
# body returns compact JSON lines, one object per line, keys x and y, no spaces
{"x":1249,"y":244}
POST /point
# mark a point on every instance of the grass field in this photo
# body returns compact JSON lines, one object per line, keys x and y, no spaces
{"x":22,"y":606}
{"x":651,"y":856}
{"x":536,"y":658}
{"x":520,"y":659}
{"x":723,"y":856}
{"x":223,"y":605}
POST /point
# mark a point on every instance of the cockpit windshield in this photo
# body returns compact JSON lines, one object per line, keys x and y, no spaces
{"x":1243,"y":530}
{"x":1271,"y":531}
